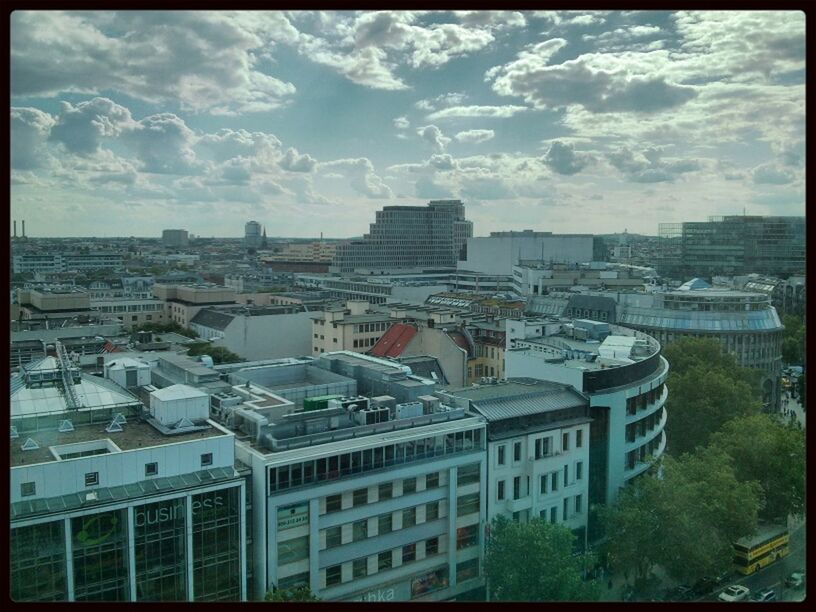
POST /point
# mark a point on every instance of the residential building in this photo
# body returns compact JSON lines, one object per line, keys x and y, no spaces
{"x":353,"y":328}
{"x":372,"y":500}
{"x":732,"y":245}
{"x":182,"y":302}
{"x":499,"y":252}
{"x":622,"y":373}
{"x":408,"y":237}
{"x":175,"y":238}
{"x":114,"y":501}
{"x":537,"y":449}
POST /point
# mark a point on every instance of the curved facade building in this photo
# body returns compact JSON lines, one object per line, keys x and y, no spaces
{"x":623,"y":375}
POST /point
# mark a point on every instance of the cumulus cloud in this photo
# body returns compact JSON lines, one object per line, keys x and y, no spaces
{"x":475,"y":136}
{"x":434,"y":137}
{"x":476,"y":111}
{"x":361,"y":175}
{"x":772,"y":174}
{"x":563,"y":159}
{"x":427,"y":188}
{"x":491,"y":19}
{"x":226,"y":144}
{"x":163,"y":143}
{"x":442,"y":162}
{"x":448,"y":99}
{"x":81,"y":128}
{"x":648,"y":165}
{"x":293,"y":162}
{"x":402,"y":123}
{"x":30,"y":128}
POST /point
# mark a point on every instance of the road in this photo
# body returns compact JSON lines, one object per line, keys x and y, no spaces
{"x":773,"y":575}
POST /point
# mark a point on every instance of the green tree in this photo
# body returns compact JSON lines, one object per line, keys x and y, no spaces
{"x":793,"y":340}
{"x":535,"y":562}
{"x":772,"y":454}
{"x":701,"y":399}
{"x":298,"y":593}
{"x":219,"y":354}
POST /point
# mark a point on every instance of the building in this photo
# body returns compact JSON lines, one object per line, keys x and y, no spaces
{"x":537,"y":450}
{"x":498,"y":253}
{"x":115,"y":501}
{"x":86,"y":338}
{"x":66,"y":262}
{"x":132,"y":311}
{"x":354,"y":327}
{"x":301,"y":257}
{"x":535,"y":278}
{"x":182,"y":302}
{"x":787,"y":296}
{"x":175,"y":238}
{"x":732,"y":245}
{"x":622,"y":373}
{"x":252,"y":235}
{"x":373,"y":499}
{"x":408,"y":237}
{"x":54,"y":303}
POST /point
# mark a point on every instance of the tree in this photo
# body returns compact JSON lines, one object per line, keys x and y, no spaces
{"x":535,"y":562}
{"x":793,"y":340}
{"x":701,"y":399}
{"x":771,"y":453}
{"x":298,"y":593}
{"x":219,"y":354}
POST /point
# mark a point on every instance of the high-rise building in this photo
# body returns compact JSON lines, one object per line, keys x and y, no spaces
{"x":252,"y":235}
{"x":409,"y":237}
{"x":732,"y":245}
{"x":175,"y":238}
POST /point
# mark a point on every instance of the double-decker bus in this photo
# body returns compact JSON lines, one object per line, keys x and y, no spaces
{"x":755,"y":552}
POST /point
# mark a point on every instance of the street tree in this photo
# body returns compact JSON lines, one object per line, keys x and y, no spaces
{"x":771,"y":453}
{"x":535,"y":562}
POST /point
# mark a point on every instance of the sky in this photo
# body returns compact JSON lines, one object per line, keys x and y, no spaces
{"x":128,"y":123}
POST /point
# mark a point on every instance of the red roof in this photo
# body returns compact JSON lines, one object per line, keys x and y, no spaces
{"x":393,"y":341}
{"x":109,"y":347}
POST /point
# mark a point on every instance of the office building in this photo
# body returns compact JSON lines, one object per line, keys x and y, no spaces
{"x":183,"y":302}
{"x":537,"y":449}
{"x":112,"y":500}
{"x":732,"y":245}
{"x":252,"y":235}
{"x":54,"y":303}
{"x":301,"y":257}
{"x":537,"y":278}
{"x":622,"y":373}
{"x":175,"y":238}
{"x":408,"y":237}
{"x":369,"y":498}
{"x":66,"y":262}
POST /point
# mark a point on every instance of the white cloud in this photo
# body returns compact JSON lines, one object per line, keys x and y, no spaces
{"x":362,"y":178}
{"x":434,"y":137}
{"x":772,"y":174}
{"x":476,"y":111}
{"x":81,"y":128}
{"x":475,"y":136}
{"x":30,"y":128}
{"x":563,"y":159}
{"x":293,"y":162}
{"x":491,"y":19}
{"x":402,"y":123}
{"x":163,"y":144}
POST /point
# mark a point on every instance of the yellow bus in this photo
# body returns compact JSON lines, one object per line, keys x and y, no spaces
{"x":755,"y":552}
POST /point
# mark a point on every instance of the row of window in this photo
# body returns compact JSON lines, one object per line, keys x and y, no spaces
{"x":643,"y":426}
{"x":28,"y":489}
{"x":357,"y":462}
{"x":364,"y":342}
{"x":642,"y":401}
{"x":576,"y":503}
{"x":548,"y":483}
{"x":544,"y":447}
{"x":360,"y":497}
{"x":640,"y":454}
{"x":366,"y":328}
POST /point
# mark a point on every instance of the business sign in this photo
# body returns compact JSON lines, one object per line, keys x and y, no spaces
{"x":151,"y":514}
{"x":393,"y":592}
{"x":293,"y":516}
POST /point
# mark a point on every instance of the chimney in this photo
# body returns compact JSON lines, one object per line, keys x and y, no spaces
{"x":24,"y":228}
{"x":15,"y":228}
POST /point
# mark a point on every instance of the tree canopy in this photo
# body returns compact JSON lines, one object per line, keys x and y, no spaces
{"x":535,"y":562}
{"x":299,"y":593}
{"x":793,"y":340}
{"x":771,"y":453}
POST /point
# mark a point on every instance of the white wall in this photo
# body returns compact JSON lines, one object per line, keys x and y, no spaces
{"x":526,"y":364}
{"x":498,"y":254}
{"x":269,"y":336}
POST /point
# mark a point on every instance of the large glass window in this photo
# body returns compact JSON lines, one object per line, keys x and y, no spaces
{"x":359,"y":530}
{"x":290,"y":551}
{"x":161,"y":551}
{"x":334,"y":503}
{"x":467,"y":504}
{"x":334,"y":575}
{"x":467,"y":536}
{"x":408,"y":486}
{"x":360,"y":497}
{"x":408,"y":517}
{"x":384,"y":560}
{"x":386,"y":490}
{"x":468,"y":474}
{"x":467,"y":569}
{"x":359,"y":568}
{"x":431,"y":511}
{"x":37,"y":563}
{"x":100,"y":557}
{"x":216,"y":545}
{"x":333,"y":536}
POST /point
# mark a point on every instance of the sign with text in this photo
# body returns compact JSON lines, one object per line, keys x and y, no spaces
{"x":293,"y":516}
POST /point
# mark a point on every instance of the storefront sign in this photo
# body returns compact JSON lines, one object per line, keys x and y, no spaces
{"x":393,"y":592}
{"x":145,"y":515}
{"x":293,"y":516}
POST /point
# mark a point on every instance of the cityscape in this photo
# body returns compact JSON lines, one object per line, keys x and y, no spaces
{"x":407,"y":306}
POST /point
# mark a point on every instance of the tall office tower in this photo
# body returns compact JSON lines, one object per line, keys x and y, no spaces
{"x":409,"y":237}
{"x":175,"y":238}
{"x":252,"y":235}
{"x":732,"y":245}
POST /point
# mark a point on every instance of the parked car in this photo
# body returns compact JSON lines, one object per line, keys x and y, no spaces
{"x":795,"y":580}
{"x":679,"y":593}
{"x":704,"y":585}
{"x":764,"y":595}
{"x":735,"y":592}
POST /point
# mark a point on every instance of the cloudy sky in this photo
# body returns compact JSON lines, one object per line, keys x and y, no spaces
{"x":125,"y":123}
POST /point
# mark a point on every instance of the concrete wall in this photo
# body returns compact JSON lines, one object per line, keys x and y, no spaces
{"x":269,"y":336}
{"x":452,"y":358}
{"x":498,"y":254}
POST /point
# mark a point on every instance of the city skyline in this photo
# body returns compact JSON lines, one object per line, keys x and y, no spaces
{"x":310,"y":122}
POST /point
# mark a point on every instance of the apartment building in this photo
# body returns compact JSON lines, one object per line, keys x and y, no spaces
{"x":353,"y":328}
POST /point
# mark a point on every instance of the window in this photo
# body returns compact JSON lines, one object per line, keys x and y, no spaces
{"x":431,"y":546}
{"x":91,"y":479}
{"x":467,"y":504}
{"x":565,"y":442}
{"x":359,"y":497}
{"x":386,"y":490}
{"x":431,"y":511}
{"x":554,"y":481}
{"x":566,"y":508}
{"x":501,"y":458}
{"x":384,"y":560}
{"x":206,"y":459}
{"x":384,"y":524}
{"x":579,"y":470}
{"x":293,"y":550}
{"x":359,"y":568}
{"x":566,"y":475}
{"x":333,"y":536}
{"x":577,"y":504}
{"x":359,"y":530}
{"x":554,"y":514}
{"x":409,"y":553}
{"x":543,"y":484}
{"x":516,"y":487}
{"x":467,"y":570}
{"x":517,"y":451}
{"x":468,"y":474}
{"x":579,"y":438}
{"x":293,"y":581}
{"x":500,"y":491}
{"x":151,"y":469}
{"x":408,"y":486}
{"x":467,"y":536}
{"x":334,"y":575}
{"x":334,"y":503}
{"x":432,"y":480}
{"x":408,"y":517}
{"x":28,"y":489}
